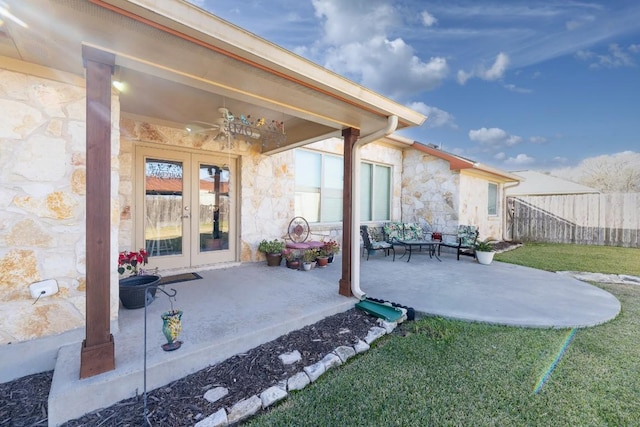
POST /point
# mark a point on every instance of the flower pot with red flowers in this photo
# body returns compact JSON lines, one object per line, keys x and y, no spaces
{"x":133,"y":280}
{"x":331,"y":248}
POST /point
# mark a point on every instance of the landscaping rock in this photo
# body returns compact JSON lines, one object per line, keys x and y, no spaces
{"x":361,"y":347}
{"x":216,"y":394}
{"x":217,"y":419}
{"x":272,"y":395}
{"x":314,"y":371}
{"x":374,"y":333}
{"x":344,"y":352}
{"x":244,"y":409}
{"x":298,"y":381}
{"x":291,"y":357}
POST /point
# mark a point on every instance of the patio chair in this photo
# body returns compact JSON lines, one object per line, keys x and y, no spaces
{"x":463,"y":242}
{"x":372,"y":244}
{"x":298,"y":233}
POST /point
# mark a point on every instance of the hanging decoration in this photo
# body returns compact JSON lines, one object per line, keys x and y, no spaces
{"x":246,"y":127}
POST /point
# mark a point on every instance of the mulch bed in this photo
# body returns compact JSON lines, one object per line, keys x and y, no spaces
{"x":23,"y":402}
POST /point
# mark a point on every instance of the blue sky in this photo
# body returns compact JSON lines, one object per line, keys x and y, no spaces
{"x":514,"y":84}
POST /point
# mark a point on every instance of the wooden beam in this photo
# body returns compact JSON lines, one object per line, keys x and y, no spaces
{"x":350,"y":136}
{"x":98,"y":350}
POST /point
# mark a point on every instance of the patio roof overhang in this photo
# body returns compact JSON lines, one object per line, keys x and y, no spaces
{"x":179,"y":64}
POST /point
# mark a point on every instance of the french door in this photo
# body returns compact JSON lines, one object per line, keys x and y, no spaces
{"x":185,"y":214}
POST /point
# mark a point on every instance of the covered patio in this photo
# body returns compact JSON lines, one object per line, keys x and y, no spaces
{"x":231,"y":310}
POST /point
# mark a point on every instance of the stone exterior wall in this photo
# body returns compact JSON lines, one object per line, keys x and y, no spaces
{"x":42,"y":202}
{"x":430,"y":192}
{"x":474,"y":196}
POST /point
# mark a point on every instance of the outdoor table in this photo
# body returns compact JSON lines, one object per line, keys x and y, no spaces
{"x":431,"y":244}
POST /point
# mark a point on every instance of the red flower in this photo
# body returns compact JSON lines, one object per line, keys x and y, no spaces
{"x":129,"y":261}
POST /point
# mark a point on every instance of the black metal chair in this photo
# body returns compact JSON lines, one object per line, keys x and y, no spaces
{"x":464,"y":242}
{"x":370,"y":244}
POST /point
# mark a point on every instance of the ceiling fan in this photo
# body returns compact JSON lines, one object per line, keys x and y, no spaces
{"x":219,"y":127}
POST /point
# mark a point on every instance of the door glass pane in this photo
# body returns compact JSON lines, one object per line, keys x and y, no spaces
{"x":214,"y":207}
{"x":163,"y":207}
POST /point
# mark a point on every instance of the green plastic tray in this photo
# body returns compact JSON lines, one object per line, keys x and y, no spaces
{"x":383,"y":311}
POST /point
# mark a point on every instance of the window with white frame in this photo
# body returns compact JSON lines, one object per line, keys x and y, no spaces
{"x":375,"y":192}
{"x":492,"y":201}
{"x":319,"y":183}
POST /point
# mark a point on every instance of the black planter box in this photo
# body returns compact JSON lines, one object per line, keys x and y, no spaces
{"x":132,"y":290}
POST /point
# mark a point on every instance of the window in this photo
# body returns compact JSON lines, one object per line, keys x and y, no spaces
{"x":492,"y":201}
{"x":319,"y":183}
{"x":375,"y":194}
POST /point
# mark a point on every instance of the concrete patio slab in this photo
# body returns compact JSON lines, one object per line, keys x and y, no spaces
{"x":233,"y":309}
{"x":499,"y":293}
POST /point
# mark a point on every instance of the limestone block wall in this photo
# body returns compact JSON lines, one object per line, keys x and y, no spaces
{"x":42,"y":201}
{"x":430,"y":192}
{"x":474,"y":197}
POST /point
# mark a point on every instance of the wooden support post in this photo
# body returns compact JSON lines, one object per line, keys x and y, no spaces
{"x":350,"y":136}
{"x":98,"y":350}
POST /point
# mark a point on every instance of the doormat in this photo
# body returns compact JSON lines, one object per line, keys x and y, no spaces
{"x":185,"y":277}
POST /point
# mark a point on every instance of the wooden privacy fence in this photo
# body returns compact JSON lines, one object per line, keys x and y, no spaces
{"x":591,"y":219}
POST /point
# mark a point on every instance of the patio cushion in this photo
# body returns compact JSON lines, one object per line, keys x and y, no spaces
{"x":380,"y":245}
{"x":467,"y":235}
{"x":393,"y":231}
{"x":413,"y":231}
{"x":298,"y":245}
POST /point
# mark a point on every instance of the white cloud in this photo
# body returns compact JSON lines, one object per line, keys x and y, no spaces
{"x":500,"y":156}
{"x":498,"y":68}
{"x":428,"y":19}
{"x":615,"y":58}
{"x":495,"y":72}
{"x":579,"y":22}
{"x":516,"y":89}
{"x":560,"y":159}
{"x":368,"y":55}
{"x":537,"y":140}
{"x":494,"y":137}
{"x":519,"y":160}
{"x":435,"y":116}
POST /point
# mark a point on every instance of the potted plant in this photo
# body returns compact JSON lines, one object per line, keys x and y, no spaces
{"x":308,"y":257}
{"x":322,"y":258}
{"x":331,"y":247}
{"x":291,"y":259}
{"x":484,"y":252}
{"x":273,"y":251}
{"x":134,"y":281}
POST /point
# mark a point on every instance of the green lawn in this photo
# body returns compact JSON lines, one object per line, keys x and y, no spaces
{"x":446,"y":372}
{"x":559,"y":257}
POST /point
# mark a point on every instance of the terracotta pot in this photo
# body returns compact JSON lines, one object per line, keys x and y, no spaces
{"x":322,"y":261}
{"x":274,"y":260}
{"x":294,"y":265}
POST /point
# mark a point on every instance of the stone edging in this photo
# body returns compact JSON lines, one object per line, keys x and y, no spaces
{"x":602,"y":278}
{"x":248,"y":407}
